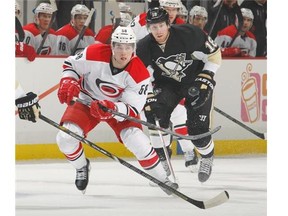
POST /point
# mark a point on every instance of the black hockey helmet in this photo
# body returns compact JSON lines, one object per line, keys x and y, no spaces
{"x":156,"y":15}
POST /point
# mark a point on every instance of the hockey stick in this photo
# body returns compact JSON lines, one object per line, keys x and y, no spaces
{"x":166,"y":152}
{"x":19,"y":29}
{"x":215,"y":201}
{"x":152,"y":126}
{"x":82,"y":32}
{"x":194,"y":92}
{"x":54,"y":7}
{"x":216,"y":17}
{"x":258,"y":134}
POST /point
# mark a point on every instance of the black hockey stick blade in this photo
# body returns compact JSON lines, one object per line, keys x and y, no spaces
{"x":215,"y":201}
{"x":152,"y":126}
{"x":258,"y":134}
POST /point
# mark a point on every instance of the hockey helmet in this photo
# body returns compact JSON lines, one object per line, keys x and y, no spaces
{"x":247,"y":13}
{"x":123,"y":35}
{"x":79,"y":9}
{"x":183,"y":11}
{"x":125,"y":8}
{"x":125,"y":19}
{"x":156,"y":15}
{"x":170,"y":3}
{"x":43,"y":8}
{"x":200,"y":11}
{"x":18,"y":11}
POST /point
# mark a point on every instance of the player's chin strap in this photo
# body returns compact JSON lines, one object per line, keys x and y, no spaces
{"x":150,"y":125}
{"x":215,"y":201}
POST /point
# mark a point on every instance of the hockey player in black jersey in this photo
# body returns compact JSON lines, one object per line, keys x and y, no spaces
{"x":183,"y":61}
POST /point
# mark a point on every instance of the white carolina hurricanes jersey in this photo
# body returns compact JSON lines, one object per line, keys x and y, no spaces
{"x":246,"y":43}
{"x":100,"y":81}
{"x":138,"y":25}
{"x":34,"y":38}
{"x":67,"y":37}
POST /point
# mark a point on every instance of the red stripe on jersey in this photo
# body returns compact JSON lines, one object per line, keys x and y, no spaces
{"x":182,"y":130}
{"x":99,"y":52}
{"x":31,"y":27}
{"x":142,"y":19}
{"x":150,"y":161}
{"x":137,"y":70}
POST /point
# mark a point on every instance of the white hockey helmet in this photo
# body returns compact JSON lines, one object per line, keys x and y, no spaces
{"x":79,"y":9}
{"x":18,"y":11}
{"x":123,"y":35}
{"x":247,"y":13}
{"x":125,"y":19}
{"x":125,"y":8}
{"x":43,"y":8}
{"x":198,"y":10}
{"x":170,"y":3}
{"x":183,"y":11}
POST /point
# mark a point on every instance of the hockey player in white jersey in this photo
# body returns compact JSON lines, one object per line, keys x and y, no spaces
{"x":34,"y":32}
{"x":68,"y":34}
{"x":113,"y":77}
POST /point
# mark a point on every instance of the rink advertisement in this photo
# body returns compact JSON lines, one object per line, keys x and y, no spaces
{"x":241,"y":92}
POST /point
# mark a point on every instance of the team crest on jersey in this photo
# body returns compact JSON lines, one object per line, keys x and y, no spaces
{"x":46,"y":50}
{"x":109,"y":89}
{"x":174,"y":65}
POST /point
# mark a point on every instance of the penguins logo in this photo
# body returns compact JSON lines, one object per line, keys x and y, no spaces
{"x":109,"y":89}
{"x":174,"y":65}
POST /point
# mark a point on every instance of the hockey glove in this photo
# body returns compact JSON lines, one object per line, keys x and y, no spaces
{"x":152,"y":107}
{"x":28,"y":107}
{"x":69,"y":88}
{"x":25,"y":50}
{"x":202,"y":89}
{"x":99,"y":109}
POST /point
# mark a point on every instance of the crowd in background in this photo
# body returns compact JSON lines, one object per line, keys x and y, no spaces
{"x":238,"y":28}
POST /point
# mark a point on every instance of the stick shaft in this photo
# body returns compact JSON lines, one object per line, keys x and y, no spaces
{"x":200,"y":204}
{"x":258,"y":134}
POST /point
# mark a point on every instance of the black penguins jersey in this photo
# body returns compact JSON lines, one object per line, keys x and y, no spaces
{"x":186,"y":53}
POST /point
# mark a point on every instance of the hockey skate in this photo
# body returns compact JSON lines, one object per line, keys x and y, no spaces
{"x":191,"y":160}
{"x":82,"y":177}
{"x":171,"y":184}
{"x":205,"y":169}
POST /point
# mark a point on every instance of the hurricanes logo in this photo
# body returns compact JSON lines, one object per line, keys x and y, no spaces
{"x":109,"y":89}
{"x":46,"y":50}
{"x":174,"y":65}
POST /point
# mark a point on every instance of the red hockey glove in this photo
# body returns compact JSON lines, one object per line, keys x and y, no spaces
{"x":69,"y":88}
{"x":25,"y":50}
{"x":231,"y":51}
{"x":98,"y":109}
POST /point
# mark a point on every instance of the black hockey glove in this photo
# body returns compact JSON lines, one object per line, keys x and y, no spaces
{"x":28,"y":107}
{"x":202,"y":89}
{"x":152,"y":107}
